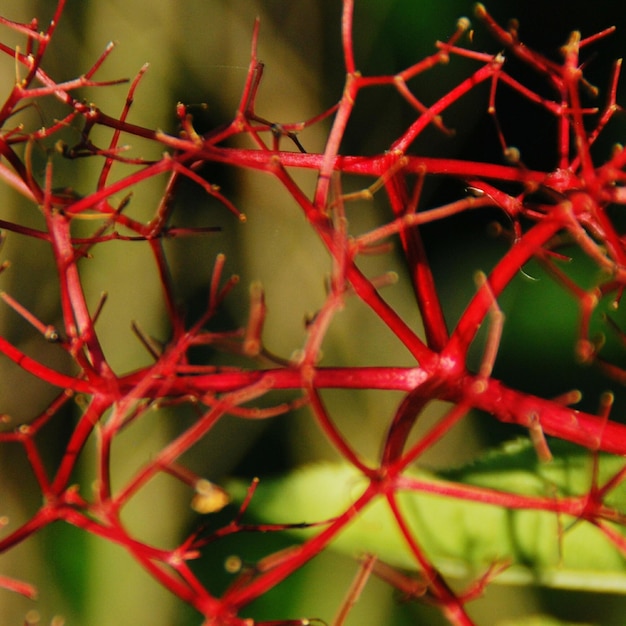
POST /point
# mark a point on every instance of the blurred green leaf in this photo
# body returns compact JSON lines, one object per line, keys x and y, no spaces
{"x":463,"y":537}
{"x":539,"y":620}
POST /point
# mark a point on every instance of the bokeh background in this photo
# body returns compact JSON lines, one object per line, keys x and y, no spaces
{"x":198,"y":52}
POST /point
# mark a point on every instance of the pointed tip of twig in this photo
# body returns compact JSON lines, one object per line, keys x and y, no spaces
{"x":479,"y":10}
{"x":255,"y":34}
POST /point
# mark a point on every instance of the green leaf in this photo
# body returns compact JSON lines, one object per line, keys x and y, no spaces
{"x":539,"y":620}
{"x":464,"y":537}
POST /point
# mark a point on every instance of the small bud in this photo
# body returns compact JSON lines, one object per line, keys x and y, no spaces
{"x":52,"y":335}
{"x":512,"y":155}
{"x":233,"y":564}
{"x":463,"y":23}
{"x":209,"y":497}
{"x":584,"y":351}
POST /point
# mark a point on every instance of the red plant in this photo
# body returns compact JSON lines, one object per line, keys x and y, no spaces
{"x":549,"y":212}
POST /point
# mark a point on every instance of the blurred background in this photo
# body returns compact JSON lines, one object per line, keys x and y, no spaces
{"x":198,"y":53}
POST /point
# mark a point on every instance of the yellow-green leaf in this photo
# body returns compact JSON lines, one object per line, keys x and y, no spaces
{"x":463,"y":537}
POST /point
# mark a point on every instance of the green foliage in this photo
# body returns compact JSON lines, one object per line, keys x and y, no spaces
{"x":463,"y":537}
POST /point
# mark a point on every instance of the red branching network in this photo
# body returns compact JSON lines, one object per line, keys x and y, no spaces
{"x":570,"y":203}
